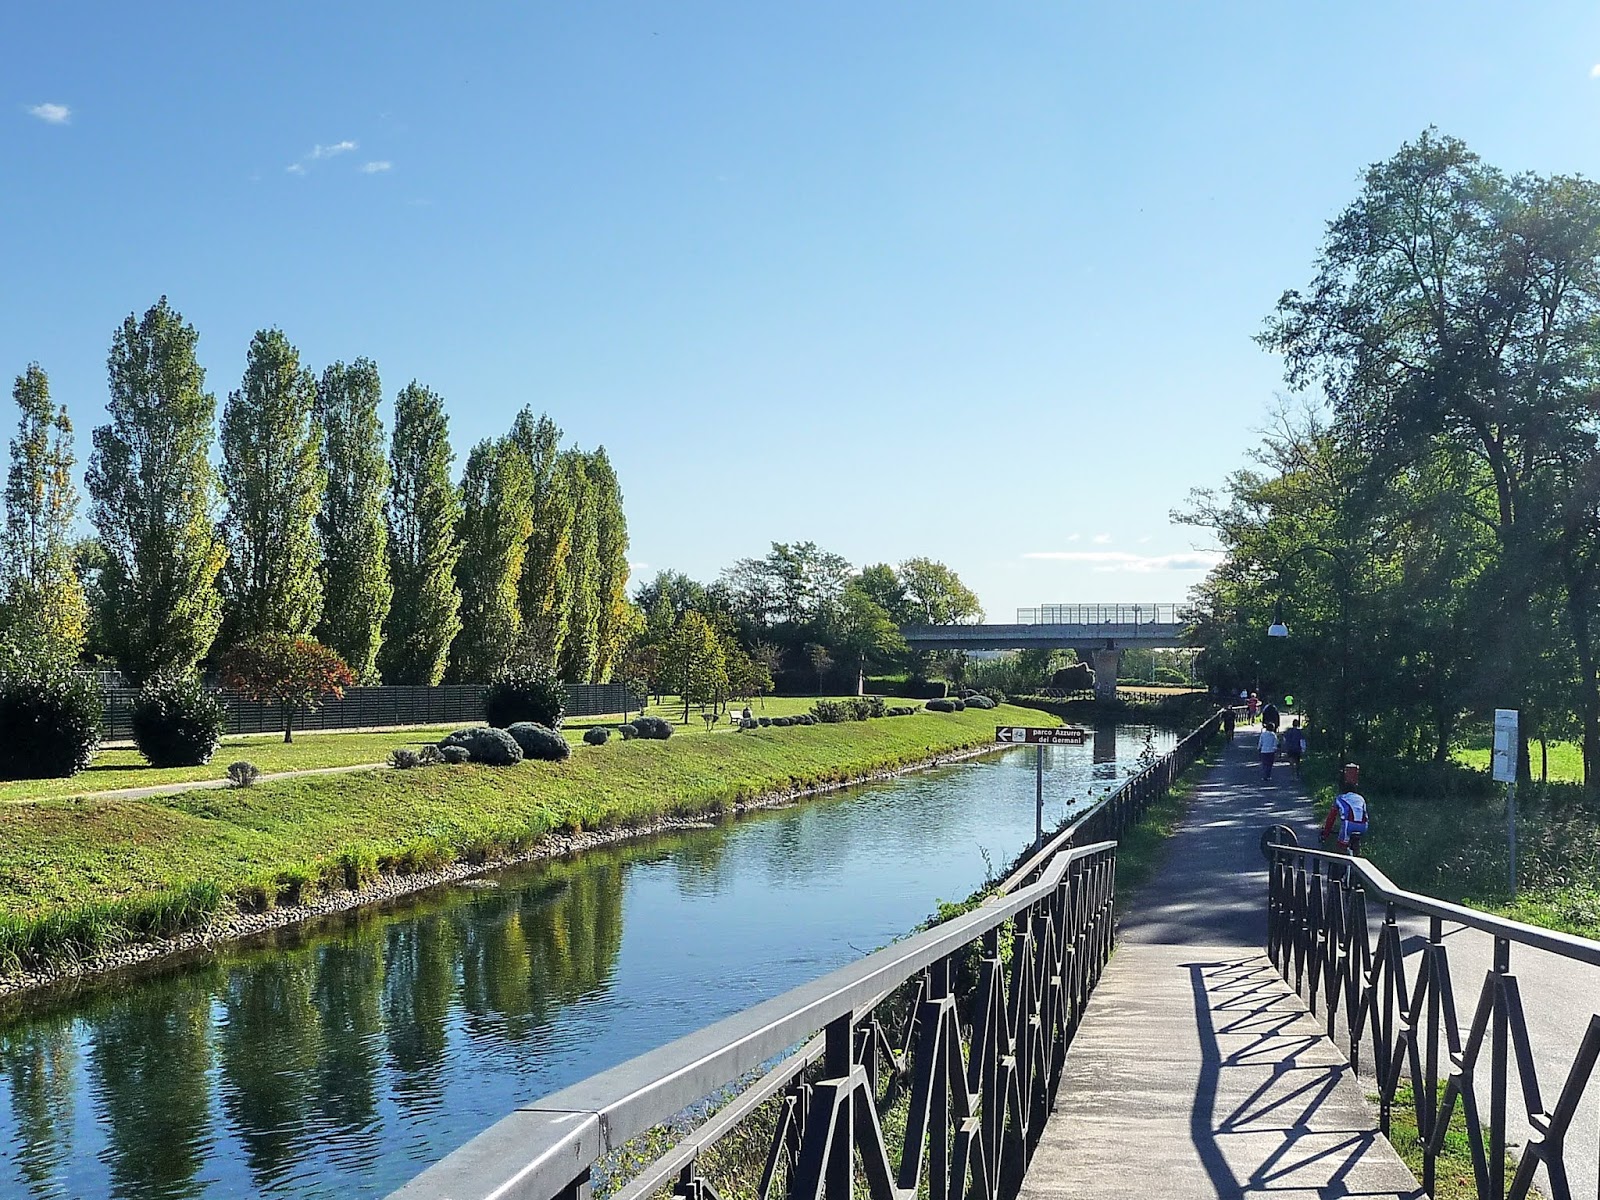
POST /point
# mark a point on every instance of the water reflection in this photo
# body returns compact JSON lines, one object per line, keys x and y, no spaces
{"x":339,"y":1058}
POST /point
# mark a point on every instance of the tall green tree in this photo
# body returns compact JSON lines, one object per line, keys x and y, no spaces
{"x":273,"y":480}
{"x":935,"y":595}
{"x":154,"y":498}
{"x":862,"y":632}
{"x":42,"y":590}
{"x":356,"y":590}
{"x":694,"y":662}
{"x":424,"y":510}
{"x":496,"y":518}
{"x":613,"y":614}
{"x":580,"y":648}
{"x":543,"y":592}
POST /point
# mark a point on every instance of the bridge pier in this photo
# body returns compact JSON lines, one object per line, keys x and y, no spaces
{"x":1105,"y":664}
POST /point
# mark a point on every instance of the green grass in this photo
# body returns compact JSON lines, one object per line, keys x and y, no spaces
{"x":78,"y":875}
{"x":1453,"y":1173}
{"x":1565,"y":758}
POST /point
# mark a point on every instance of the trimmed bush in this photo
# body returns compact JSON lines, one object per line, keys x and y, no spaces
{"x":763,"y":721}
{"x":979,"y":702}
{"x":519,"y":694}
{"x":598,"y":736}
{"x":243,"y":774}
{"x":454,"y":755}
{"x":942,"y":705}
{"x":653,"y":728}
{"x":49,"y":720}
{"x":994,"y":694}
{"x":492,"y":747}
{"x":403,"y":759}
{"x":629,"y":731}
{"x":177,"y":722}
{"x":958,"y":704}
{"x":748,"y":723}
{"x":876,"y":706}
{"x":538,"y":743}
{"x":429,"y":756}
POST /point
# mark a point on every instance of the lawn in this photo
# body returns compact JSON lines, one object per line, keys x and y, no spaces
{"x":1565,"y":758}
{"x":77,"y":875}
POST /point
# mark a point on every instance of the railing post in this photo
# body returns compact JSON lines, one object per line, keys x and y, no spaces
{"x":1498,"y":1084}
{"x":1428,"y":1111}
{"x":838,"y":1174}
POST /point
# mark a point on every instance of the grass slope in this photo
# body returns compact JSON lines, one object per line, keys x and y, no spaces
{"x":79,"y":875}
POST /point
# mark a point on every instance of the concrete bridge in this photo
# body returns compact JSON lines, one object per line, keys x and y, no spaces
{"x":1228,"y":1048}
{"x":1098,"y":632}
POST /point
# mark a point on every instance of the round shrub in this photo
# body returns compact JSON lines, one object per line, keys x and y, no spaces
{"x":49,"y":721}
{"x":538,"y":743}
{"x":979,"y":702}
{"x":941,"y":705}
{"x":243,"y":773}
{"x":958,"y":704}
{"x":524,"y":694}
{"x":492,"y":747}
{"x":403,"y":759}
{"x":629,"y":731}
{"x":995,"y":694}
{"x":763,"y":721}
{"x":177,"y":722}
{"x":455,"y":755}
{"x":598,"y":736}
{"x":653,"y":728}
{"x":782,"y":722}
{"x":429,"y":756}
{"x":748,"y":723}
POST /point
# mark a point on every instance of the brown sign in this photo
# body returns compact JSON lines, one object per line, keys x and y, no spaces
{"x":1055,"y":735}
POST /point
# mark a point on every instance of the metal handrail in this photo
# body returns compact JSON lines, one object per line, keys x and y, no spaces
{"x":1099,"y":614}
{"x":1320,"y":940}
{"x":1024,"y":1013}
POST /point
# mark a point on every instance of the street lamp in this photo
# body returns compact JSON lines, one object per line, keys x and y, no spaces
{"x":1277,"y":629}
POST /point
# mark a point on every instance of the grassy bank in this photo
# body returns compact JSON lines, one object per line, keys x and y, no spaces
{"x":79,"y":876}
{"x":1441,"y":830}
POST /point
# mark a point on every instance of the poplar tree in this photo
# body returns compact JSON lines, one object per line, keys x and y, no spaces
{"x":356,"y":590}
{"x":542,"y":592}
{"x":613,"y":616}
{"x":154,"y":498}
{"x":581,"y":579}
{"x":424,"y":510}
{"x":496,"y":518}
{"x":273,"y":479}
{"x":43,"y":592}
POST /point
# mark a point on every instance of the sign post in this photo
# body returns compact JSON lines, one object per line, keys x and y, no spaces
{"x":1504,"y":762}
{"x":1040,"y":737}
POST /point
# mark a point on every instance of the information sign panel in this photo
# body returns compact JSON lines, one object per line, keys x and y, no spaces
{"x":1505,"y":745}
{"x":1030,"y":735}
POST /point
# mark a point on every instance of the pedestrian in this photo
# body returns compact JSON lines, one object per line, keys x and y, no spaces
{"x":746,"y":714}
{"x":1269,"y":716}
{"x":1228,"y":722}
{"x":1294,"y":744}
{"x":1255,"y":705}
{"x":1348,"y":815}
{"x":1267,"y":747}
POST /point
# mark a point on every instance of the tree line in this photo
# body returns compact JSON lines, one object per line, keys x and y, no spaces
{"x":310,"y":522}
{"x":1427,"y":523}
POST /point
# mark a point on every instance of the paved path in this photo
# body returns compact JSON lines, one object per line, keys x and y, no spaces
{"x":200,"y":785}
{"x":1197,"y":1072}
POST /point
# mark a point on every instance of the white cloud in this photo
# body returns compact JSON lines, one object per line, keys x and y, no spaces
{"x":1122,"y":560}
{"x":1101,"y":539}
{"x":372,"y":168}
{"x":51,"y":114}
{"x":1594,"y":71}
{"x":1076,"y":537}
{"x":329,"y":151}
{"x":295,"y":169}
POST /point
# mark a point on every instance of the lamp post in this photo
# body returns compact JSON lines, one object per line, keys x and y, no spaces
{"x":1280,"y":630}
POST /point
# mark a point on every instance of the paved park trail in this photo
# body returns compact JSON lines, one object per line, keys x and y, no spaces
{"x":1196,"y":1071}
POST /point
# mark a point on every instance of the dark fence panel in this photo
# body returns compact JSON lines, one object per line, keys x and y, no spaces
{"x":373,"y":707}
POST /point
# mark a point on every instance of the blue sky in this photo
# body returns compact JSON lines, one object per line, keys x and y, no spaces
{"x":976,"y":282}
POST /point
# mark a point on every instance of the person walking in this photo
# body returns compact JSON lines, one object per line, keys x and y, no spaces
{"x":1254,"y":707}
{"x":1294,"y":744}
{"x":1348,"y":815}
{"x":1228,"y":723}
{"x":1267,"y":748}
{"x":1269,"y":716}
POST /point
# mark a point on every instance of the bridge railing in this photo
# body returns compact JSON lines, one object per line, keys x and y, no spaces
{"x":1099,"y":614}
{"x":1320,"y":940}
{"x":959,"y":1032}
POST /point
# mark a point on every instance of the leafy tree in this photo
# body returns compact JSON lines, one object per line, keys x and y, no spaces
{"x":496,"y":519}
{"x":673,"y":593}
{"x":154,"y":498}
{"x":542,"y":590}
{"x":695,"y":662}
{"x":613,"y":614}
{"x":580,"y":648}
{"x":273,"y":479}
{"x":883,"y":587}
{"x":935,"y":595}
{"x":821,"y":662}
{"x":43,"y":590}
{"x":747,"y":676}
{"x":863,"y":633}
{"x":356,"y":588}
{"x":794,"y":584}
{"x":293,"y":672}
{"x":424,"y":509}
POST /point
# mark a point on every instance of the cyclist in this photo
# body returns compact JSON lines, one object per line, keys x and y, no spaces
{"x":1348,"y":814}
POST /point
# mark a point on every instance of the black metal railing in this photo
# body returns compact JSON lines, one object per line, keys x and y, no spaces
{"x":961,"y":1031}
{"x":1099,"y":614}
{"x":1319,"y":936}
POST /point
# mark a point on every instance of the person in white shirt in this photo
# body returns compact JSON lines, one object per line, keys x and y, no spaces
{"x":1267,"y":747}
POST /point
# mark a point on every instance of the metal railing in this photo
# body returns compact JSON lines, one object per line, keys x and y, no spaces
{"x":1099,"y":614}
{"x":1319,"y":939}
{"x":973,"y":1051}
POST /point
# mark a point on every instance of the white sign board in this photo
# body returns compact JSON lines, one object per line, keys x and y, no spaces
{"x":1505,"y":745}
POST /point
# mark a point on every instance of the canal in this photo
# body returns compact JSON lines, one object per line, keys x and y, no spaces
{"x":341,"y":1057}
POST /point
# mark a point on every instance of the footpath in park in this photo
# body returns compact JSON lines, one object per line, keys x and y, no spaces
{"x":1197,"y":1072}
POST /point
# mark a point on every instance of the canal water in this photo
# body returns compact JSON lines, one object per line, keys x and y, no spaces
{"x":341,"y":1057}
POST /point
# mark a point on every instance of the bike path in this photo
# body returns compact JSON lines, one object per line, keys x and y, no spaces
{"x":1196,"y":1071}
